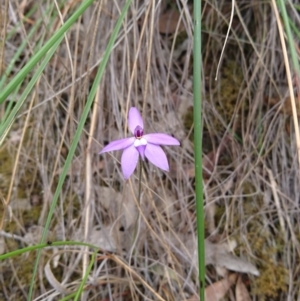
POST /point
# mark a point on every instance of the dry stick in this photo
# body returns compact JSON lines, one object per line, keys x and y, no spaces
{"x":88,"y":182}
{"x":289,"y":79}
{"x":66,"y":39}
{"x":3,"y":28}
{"x":89,"y":171}
{"x":227,"y":34}
{"x":276,"y":199}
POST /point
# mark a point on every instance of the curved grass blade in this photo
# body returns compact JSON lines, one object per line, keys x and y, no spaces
{"x":80,"y":289}
{"x":42,"y":246}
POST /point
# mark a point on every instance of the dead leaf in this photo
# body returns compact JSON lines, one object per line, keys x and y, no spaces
{"x":219,"y":255}
{"x":241,"y":292}
{"x":168,"y":22}
{"x":217,"y":290}
{"x":286,"y":106}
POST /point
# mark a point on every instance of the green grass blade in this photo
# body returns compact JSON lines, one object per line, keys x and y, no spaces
{"x":78,"y":133}
{"x":40,"y":53}
{"x":290,"y":39}
{"x":12,"y":115}
{"x":197,"y":65}
{"x":80,"y":289}
{"x":42,"y":246}
{"x":68,"y":297}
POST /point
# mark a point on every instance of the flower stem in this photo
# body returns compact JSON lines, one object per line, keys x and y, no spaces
{"x":140,"y":181}
{"x":137,"y":222}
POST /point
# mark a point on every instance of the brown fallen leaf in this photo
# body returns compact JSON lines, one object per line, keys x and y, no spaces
{"x":217,"y":290}
{"x":241,"y":292}
{"x":286,"y":107}
{"x":220,"y":255}
{"x":168,"y":22}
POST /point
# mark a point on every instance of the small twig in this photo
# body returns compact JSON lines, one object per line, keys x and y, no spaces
{"x":276,"y":199}
{"x":66,"y":39}
{"x":3,"y":29}
{"x":88,"y":182}
{"x":227,"y":34}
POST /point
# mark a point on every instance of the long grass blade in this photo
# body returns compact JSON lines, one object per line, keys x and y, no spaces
{"x":198,"y":144}
{"x":42,"y":246}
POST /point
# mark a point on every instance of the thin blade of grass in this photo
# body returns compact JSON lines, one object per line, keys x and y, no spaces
{"x":80,"y":289}
{"x":78,"y":134}
{"x":197,"y":64}
{"x":42,"y":246}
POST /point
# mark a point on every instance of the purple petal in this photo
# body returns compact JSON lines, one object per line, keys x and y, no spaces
{"x":141,"y":150}
{"x":134,"y":119}
{"x":118,"y":144}
{"x":157,"y":156}
{"x":129,"y":161}
{"x":161,"y":139}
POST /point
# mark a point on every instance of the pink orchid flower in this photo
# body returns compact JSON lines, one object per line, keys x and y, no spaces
{"x":144,"y":145}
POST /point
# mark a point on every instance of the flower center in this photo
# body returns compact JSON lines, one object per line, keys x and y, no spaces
{"x":138,"y":132}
